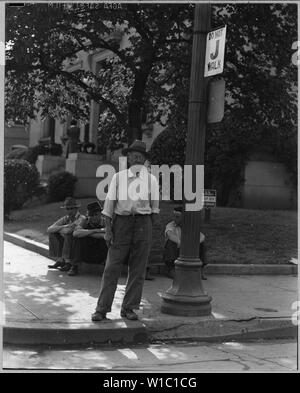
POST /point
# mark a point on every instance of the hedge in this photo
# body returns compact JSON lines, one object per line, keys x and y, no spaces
{"x":21,"y":182}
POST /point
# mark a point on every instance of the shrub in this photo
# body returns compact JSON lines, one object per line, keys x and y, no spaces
{"x":30,"y":154}
{"x":60,"y":186}
{"x":21,"y":181}
{"x":17,"y":154}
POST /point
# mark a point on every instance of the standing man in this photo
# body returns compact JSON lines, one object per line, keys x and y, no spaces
{"x":61,"y":235}
{"x":130,"y":209}
{"x":73,"y":134}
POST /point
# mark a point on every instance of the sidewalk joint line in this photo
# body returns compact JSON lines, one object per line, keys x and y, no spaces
{"x":27,"y":309}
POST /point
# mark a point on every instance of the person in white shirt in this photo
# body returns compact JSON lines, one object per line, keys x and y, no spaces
{"x":130,"y":209}
{"x":172,"y":244}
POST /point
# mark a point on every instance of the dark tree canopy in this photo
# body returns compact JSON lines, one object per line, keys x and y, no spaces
{"x":41,"y":39}
{"x":152,"y":75}
{"x":261,"y":94}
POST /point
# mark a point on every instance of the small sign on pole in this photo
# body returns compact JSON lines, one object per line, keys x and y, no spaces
{"x":215,"y":50}
{"x":216,"y":100}
{"x":210,"y":198}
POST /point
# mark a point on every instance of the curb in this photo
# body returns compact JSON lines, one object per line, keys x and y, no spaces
{"x":210,"y":330}
{"x":239,"y":269}
{"x":28,"y":244}
{"x":39,"y":333}
{"x":158,"y":267}
{"x":204,"y":330}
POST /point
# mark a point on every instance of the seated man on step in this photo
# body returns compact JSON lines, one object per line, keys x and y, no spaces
{"x":61,"y":235}
{"x":89,"y":243}
{"x":172,"y":244}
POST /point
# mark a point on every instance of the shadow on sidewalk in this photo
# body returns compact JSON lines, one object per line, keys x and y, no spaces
{"x":54,"y":296}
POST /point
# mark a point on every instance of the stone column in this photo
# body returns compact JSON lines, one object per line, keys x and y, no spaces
{"x":84,"y":167}
{"x":94,"y":119}
{"x":44,"y":128}
{"x":48,"y":165}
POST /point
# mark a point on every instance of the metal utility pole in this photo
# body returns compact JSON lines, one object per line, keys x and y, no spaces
{"x":186,"y":296}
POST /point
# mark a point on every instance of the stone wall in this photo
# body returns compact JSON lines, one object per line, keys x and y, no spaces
{"x":267,"y":184}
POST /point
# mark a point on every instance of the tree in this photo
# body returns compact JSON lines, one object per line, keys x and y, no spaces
{"x":261,"y":94}
{"x":42,"y":39}
{"x":152,"y":75}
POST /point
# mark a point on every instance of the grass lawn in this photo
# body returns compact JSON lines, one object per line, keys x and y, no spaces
{"x":233,"y":235}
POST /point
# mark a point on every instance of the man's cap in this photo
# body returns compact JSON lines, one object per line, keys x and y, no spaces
{"x":94,"y":207}
{"x":136,"y":146}
{"x":70,"y":203}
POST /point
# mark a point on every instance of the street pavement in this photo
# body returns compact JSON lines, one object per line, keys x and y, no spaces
{"x":38,"y":299}
{"x":276,"y":356}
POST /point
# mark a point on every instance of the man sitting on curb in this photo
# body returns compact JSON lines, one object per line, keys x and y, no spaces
{"x":61,"y":235}
{"x":89,"y":243}
{"x":172,"y":245}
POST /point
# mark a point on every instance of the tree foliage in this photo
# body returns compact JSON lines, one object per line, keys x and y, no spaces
{"x":152,"y":75}
{"x":261,"y":95}
{"x":42,"y":39}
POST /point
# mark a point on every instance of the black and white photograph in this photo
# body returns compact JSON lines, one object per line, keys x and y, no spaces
{"x":149,"y":189}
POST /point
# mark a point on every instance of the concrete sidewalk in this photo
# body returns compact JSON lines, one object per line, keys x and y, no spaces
{"x":43,"y":306}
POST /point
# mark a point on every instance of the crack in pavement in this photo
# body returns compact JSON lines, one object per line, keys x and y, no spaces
{"x":172,"y":327}
{"x":198,"y":323}
{"x":179,"y":364}
{"x":27,"y":309}
{"x":242,"y":360}
{"x":279,"y":364}
{"x":284,"y":289}
{"x":250,"y":357}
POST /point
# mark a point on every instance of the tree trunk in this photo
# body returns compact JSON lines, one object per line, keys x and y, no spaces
{"x":134,"y":120}
{"x":136,"y":103}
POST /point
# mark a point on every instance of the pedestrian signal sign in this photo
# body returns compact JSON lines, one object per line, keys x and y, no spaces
{"x":215,"y":49}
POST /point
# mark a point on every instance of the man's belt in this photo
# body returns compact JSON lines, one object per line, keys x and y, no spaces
{"x":133,"y":214}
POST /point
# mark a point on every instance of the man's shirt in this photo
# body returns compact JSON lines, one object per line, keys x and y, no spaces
{"x":176,"y":231}
{"x":68,"y":220}
{"x":130,"y":194}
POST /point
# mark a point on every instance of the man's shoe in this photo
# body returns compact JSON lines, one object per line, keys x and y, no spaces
{"x":98,"y":316}
{"x":57,"y":265}
{"x":73,"y":271}
{"x":129,"y":314}
{"x":66,"y":267}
